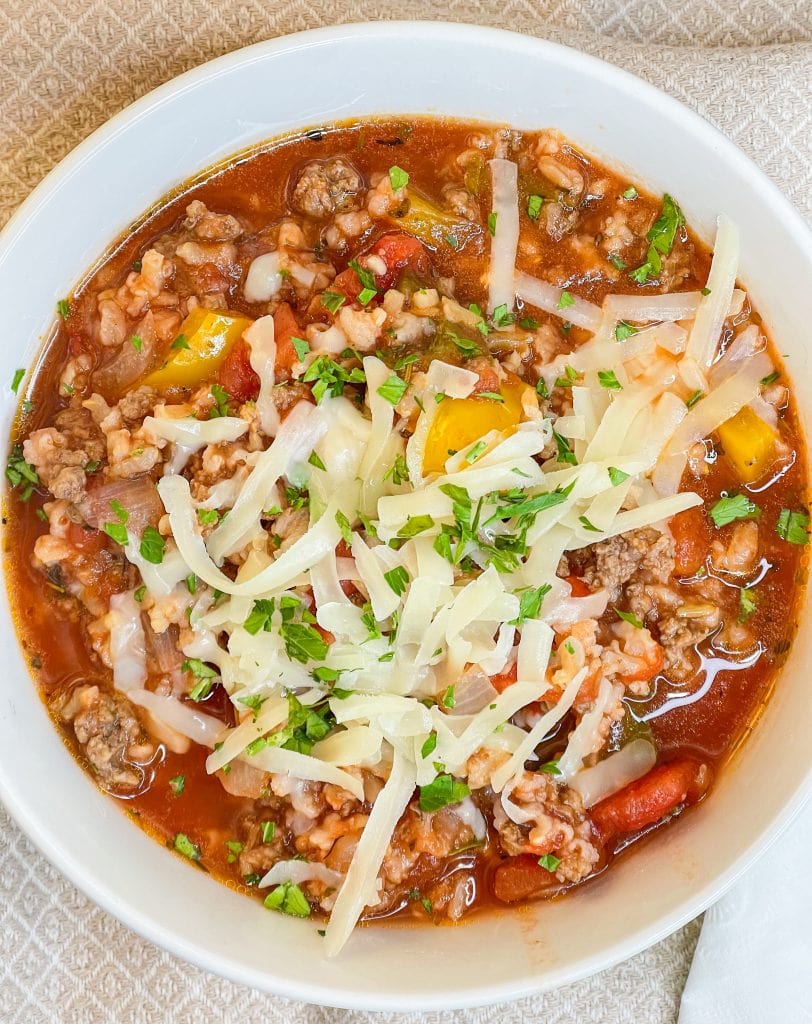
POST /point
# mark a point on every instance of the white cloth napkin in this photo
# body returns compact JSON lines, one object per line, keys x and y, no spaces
{"x":753,"y":962}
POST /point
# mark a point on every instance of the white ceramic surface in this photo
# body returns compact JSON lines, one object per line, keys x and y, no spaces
{"x":302,"y":81}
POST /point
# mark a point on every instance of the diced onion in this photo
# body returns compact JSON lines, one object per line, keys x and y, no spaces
{"x":617,"y":770}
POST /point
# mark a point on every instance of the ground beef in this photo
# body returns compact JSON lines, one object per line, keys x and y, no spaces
{"x":643,"y":555}
{"x":114,"y":741}
{"x":60,"y":453}
{"x":559,"y":826}
{"x":327,"y":187}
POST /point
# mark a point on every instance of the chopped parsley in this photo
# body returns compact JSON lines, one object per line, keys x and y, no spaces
{"x":608,"y":379}
{"x":449,"y":698}
{"x":630,"y":193}
{"x":17,"y":380}
{"x":765,"y":381}
{"x":139,"y":593}
{"x":152,"y":546}
{"x":565,"y":300}
{"x":502,"y":317}
{"x":587,"y":525}
{"x":692,"y":399}
{"x":63,"y":308}
{"x":624,"y":330}
{"x":208,"y":516}
{"x":221,"y":399}
{"x":205,"y":676}
{"x":333,"y":301}
{"x":344,"y":526}
{"x":398,"y":472}
{"x":184,"y":845}
{"x":398,"y":579}
{"x":268,"y":831}
{"x":629,"y":617}
{"x":534,"y":205}
{"x":180,"y":342}
{"x":444,"y":790}
{"x":492,"y":223}
{"x":565,"y":452}
{"x":429,"y":745}
{"x":793,"y":526}
{"x":549,"y":862}
{"x":137,"y":342}
{"x":314,"y":459}
{"x":618,"y":263}
{"x":661,"y":240}
{"x":234,"y":850}
{"x":530,"y":602}
{"x":733,"y":507}
{"x":300,"y":347}
{"x":475,"y":451}
{"x":617,"y":476}
{"x":367,"y":281}
{"x":748,"y":602}
{"x":259,"y":618}
{"x":303,"y":642}
{"x":569,"y":377}
{"x":20,"y":473}
{"x":415,"y":525}
{"x":393,"y":389}
{"x":177,"y":784}
{"x":288,"y":899}
{"x":550,"y":768}
{"x":398,"y":178}
{"x":117,"y":530}
{"x":329,"y":378}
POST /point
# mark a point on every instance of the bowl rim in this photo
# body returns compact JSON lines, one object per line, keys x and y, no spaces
{"x":24,"y":811}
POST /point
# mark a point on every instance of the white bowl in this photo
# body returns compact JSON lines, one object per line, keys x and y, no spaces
{"x":306,"y":80}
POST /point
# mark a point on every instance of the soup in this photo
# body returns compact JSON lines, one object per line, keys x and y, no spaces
{"x":407,"y":517}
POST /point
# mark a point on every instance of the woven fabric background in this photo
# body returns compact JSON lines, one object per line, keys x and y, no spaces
{"x":746,"y":65}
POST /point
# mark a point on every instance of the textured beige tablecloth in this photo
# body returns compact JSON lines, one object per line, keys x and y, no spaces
{"x":65,"y":67}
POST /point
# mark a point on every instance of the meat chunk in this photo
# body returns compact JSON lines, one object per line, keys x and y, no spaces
{"x":60,"y":453}
{"x":327,"y":187}
{"x":557,"y":824}
{"x":645,"y":555}
{"x":211,"y":227}
{"x":110,"y":732}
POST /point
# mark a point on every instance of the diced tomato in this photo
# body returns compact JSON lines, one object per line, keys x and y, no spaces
{"x":487,"y":380}
{"x":650,"y":799}
{"x":505,"y":679}
{"x":88,"y":540}
{"x":236,"y":374}
{"x":400,"y":252}
{"x":520,"y":878}
{"x":285,"y":330}
{"x":578,"y":587}
{"x":692,"y":538}
{"x":347,"y":283}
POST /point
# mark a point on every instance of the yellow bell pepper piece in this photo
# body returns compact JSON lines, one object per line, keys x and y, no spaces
{"x":749,"y":444}
{"x":205,"y":337}
{"x":461,"y":421}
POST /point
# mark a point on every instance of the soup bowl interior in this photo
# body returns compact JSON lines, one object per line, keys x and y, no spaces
{"x":313,"y":79}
